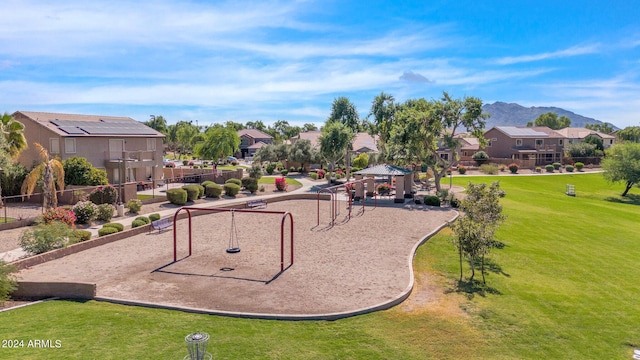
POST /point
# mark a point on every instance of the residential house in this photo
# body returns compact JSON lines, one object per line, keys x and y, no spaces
{"x":362,"y":141}
{"x":468,"y":145}
{"x":251,"y":140}
{"x":576,"y":135}
{"x":527,"y":146}
{"x":126,"y":149}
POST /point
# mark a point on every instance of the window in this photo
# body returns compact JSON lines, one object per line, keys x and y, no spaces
{"x":151,"y":144}
{"x":560,"y":142}
{"x":518,"y":142}
{"x":494,"y":139}
{"x":611,"y":142}
{"x":444,"y":156}
{"x":539,"y":142}
{"x":69,"y":146}
{"x":54,"y":146}
{"x":489,"y":143}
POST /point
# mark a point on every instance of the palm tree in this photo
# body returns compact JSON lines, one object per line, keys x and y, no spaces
{"x":49,"y":170}
{"x":13,"y":141}
{"x":13,"y":131}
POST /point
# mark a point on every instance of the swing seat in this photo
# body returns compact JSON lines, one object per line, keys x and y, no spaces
{"x":233,"y":250}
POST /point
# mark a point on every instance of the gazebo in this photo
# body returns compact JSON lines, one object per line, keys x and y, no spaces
{"x":403,"y":178}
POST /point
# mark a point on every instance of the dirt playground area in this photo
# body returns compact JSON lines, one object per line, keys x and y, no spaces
{"x":358,"y":264}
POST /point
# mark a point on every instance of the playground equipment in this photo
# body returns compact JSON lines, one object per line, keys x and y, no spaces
{"x":197,"y":346}
{"x":350,"y":188}
{"x":188,"y":210}
{"x":234,"y":246}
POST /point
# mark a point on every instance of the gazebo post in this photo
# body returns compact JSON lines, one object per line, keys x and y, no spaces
{"x":400,"y":183}
{"x":408,"y":186}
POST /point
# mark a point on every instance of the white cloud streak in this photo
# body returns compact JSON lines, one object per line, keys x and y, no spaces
{"x":572,"y":51}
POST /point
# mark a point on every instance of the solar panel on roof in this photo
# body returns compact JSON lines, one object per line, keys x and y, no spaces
{"x":72,"y":130}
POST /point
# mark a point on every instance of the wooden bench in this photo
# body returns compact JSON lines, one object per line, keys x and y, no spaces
{"x":161,"y":224}
{"x":256,"y":203}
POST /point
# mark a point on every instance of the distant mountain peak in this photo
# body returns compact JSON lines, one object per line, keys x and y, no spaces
{"x":512,"y":114}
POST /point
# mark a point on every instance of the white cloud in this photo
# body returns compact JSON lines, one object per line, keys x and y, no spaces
{"x":572,"y":51}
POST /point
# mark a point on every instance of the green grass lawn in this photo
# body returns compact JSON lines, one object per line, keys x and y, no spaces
{"x":564,"y":286}
{"x":272,"y":180}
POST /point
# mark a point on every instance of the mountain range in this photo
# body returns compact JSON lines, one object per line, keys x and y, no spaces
{"x":511,"y":114}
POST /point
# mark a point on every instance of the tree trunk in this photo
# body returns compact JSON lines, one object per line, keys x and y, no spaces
{"x":473,"y":269}
{"x":628,"y":187}
{"x":484,"y":281}
{"x":460,"y":254}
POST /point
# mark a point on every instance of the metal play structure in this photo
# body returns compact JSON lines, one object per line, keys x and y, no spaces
{"x":188,"y":209}
{"x":353,"y":187}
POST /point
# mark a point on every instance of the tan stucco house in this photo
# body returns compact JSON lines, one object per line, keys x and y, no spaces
{"x":577,"y":135}
{"x":251,"y":140}
{"x":127,"y":149}
{"x":537,"y":145}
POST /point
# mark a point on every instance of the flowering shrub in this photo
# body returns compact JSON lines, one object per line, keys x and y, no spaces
{"x":191,"y":163}
{"x":383,"y":189}
{"x":134,"y":206}
{"x":104,"y":195}
{"x":513,"y":167}
{"x":320,"y":174}
{"x":461,"y":169}
{"x":85,"y":211}
{"x":281,"y":183}
{"x":339,"y":171}
{"x":59,"y":214}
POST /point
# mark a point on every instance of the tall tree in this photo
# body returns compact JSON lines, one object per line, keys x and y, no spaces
{"x":622,"y":163}
{"x":157,"y":123}
{"x":334,"y":142}
{"x":51,"y":171}
{"x":234,"y":125}
{"x":258,"y":125}
{"x":344,"y":112}
{"x":601,"y":127}
{"x":551,"y":120}
{"x":219,"y":142}
{"x":422,"y":128}
{"x":630,"y":133}
{"x":5,"y":160}
{"x":309,"y":127}
{"x":383,"y":110}
{"x":301,"y":151}
{"x":476,"y":228}
{"x":184,"y":135}
{"x":13,"y":131}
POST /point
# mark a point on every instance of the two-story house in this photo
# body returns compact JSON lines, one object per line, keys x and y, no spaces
{"x":251,"y":140}
{"x":526,"y":146}
{"x":127,"y":149}
{"x":576,"y":135}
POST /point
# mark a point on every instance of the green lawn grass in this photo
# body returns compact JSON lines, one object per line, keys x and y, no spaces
{"x":564,"y":286}
{"x":272,"y":180}
{"x":145,"y":196}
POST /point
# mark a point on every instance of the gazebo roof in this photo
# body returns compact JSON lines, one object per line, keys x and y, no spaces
{"x":384,"y":170}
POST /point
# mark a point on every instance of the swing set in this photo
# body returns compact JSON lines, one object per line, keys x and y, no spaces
{"x":350,"y":188}
{"x":234,"y":246}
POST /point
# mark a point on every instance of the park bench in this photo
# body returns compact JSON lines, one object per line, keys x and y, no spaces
{"x":256,"y":203}
{"x":161,"y":224}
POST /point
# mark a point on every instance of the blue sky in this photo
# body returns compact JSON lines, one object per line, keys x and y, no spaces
{"x":214,"y":61}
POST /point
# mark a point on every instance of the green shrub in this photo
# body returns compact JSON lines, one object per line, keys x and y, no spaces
{"x":134,"y":206}
{"x":255,"y":171}
{"x":231,"y":189}
{"x":292,"y":169}
{"x":480,"y":157}
{"x":431,"y":200}
{"x":154,"y":217}
{"x":361,"y":161}
{"x":8,"y":282}
{"x":213,"y":190}
{"x":454,"y":202}
{"x":79,"y":171}
{"x":46,"y":237}
{"x":569,"y":168}
{"x":557,"y":165}
{"x":107,"y":230}
{"x":104,"y":195}
{"x":193,"y":192}
{"x":143,"y":218}
{"x":83,"y":235}
{"x":105,"y":212}
{"x":549,"y":168}
{"x":513,"y":167}
{"x":284,"y":172}
{"x":489,"y":169}
{"x":117,"y":226}
{"x":208,"y":182}
{"x":85,"y":211}
{"x":137,"y":223}
{"x":245,"y":181}
{"x":234,"y":181}
{"x":252,"y":186}
{"x":177,"y":196}
{"x":185,"y":162}
{"x":279,"y":166}
{"x":579,"y":166}
{"x":270,"y":169}
{"x":313,"y":175}
{"x":462,"y":170}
